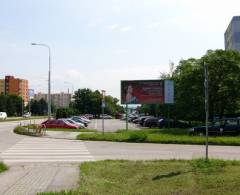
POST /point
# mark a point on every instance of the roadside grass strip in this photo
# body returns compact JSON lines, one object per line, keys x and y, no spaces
{"x":30,"y":130}
{"x":158,"y":177}
{"x":166,"y":136}
{"x":3,"y":167}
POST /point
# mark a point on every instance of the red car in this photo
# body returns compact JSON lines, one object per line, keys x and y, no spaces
{"x":59,"y":124}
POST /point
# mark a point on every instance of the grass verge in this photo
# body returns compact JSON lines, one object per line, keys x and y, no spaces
{"x":158,"y":177}
{"x":21,"y":130}
{"x":167,"y":136}
{"x":30,"y":130}
{"x":71,"y":130}
{"x":3,"y":167}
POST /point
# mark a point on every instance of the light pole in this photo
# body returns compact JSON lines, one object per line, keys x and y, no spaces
{"x":206,"y":104}
{"x":49,"y":76}
{"x":103,"y":106}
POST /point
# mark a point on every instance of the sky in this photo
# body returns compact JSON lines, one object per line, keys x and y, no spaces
{"x":97,"y":43}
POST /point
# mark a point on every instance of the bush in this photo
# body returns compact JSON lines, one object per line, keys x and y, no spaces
{"x":25,"y":131}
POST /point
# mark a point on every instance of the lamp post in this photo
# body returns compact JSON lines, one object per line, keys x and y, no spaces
{"x":49,"y":76}
{"x":103,"y":106}
{"x":206,"y":105}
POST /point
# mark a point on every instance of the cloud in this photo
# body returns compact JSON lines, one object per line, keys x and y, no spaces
{"x":125,"y":29}
{"x":154,"y":25}
{"x":113,"y":27}
{"x":119,"y":28}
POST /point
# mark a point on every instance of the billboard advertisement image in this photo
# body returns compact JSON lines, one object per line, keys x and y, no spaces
{"x":147,"y":92}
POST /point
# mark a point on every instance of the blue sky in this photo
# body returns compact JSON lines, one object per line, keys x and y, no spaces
{"x":97,"y":43}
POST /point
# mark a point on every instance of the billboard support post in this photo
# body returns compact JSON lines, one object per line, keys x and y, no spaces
{"x":168,"y":116}
{"x":126,"y":117}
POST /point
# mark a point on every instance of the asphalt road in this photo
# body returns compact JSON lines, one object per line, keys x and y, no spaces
{"x":7,"y":137}
{"x":110,"y":125}
{"x":114,"y":150}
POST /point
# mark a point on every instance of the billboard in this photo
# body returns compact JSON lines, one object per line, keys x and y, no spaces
{"x":147,"y":92}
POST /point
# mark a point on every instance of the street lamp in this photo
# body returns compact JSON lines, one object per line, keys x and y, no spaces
{"x":49,"y":76}
{"x":103,"y":106}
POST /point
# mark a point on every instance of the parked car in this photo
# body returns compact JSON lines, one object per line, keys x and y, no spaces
{"x":85,"y":119}
{"x":164,"y":123}
{"x":27,"y":115}
{"x":58,"y":123}
{"x":106,"y":116}
{"x":3,"y":115}
{"x":89,"y":116}
{"x":142,"y":119}
{"x":79,"y":120}
{"x":79,"y":124}
{"x":227,"y":126}
{"x":151,"y":122}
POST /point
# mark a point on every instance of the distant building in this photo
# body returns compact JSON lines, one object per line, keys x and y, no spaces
{"x":60,"y":100}
{"x":17,"y":86}
{"x":2,"y":86}
{"x":232,"y":35}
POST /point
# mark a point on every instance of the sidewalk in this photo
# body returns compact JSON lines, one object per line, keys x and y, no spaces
{"x":34,"y":178}
{"x":31,"y":178}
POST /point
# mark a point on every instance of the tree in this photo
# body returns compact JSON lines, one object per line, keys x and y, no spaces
{"x":224,"y":87}
{"x":12,"y":104}
{"x":88,"y":101}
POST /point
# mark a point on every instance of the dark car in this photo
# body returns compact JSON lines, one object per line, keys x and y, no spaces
{"x":227,"y":126}
{"x":151,"y":122}
{"x":164,"y":123}
{"x":142,"y":119}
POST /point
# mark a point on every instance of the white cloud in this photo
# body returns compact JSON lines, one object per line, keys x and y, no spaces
{"x":113,"y":27}
{"x":154,"y":25}
{"x":119,"y":28}
{"x":125,"y":29}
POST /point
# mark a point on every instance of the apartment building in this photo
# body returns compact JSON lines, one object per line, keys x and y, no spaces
{"x":232,"y":35}
{"x":60,"y":100}
{"x":2,"y":86}
{"x":17,"y":86}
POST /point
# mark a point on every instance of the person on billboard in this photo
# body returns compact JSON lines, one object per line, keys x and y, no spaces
{"x":130,"y":99}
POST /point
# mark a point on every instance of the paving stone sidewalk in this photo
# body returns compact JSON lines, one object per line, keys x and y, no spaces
{"x":34,"y":178}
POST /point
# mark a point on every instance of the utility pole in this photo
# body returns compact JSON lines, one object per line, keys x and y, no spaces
{"x":206,"y":105}
{"x":103,"y":106}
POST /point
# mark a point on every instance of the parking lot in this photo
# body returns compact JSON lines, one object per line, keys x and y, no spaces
{"x":110,"y":125}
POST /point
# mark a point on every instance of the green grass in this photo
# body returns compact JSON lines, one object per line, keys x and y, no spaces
{"x":31,"y":130}
{"x":158,"y":177}
{"x":3,"y":167}
{"x":21,"y":130}
{"x":71,"y":130}
{"x":167,"y":136}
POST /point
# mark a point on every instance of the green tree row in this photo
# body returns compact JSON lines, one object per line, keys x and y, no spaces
{"x":11,"y":104}
{"x":188,"y":77}
{"x":88,"y":101}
